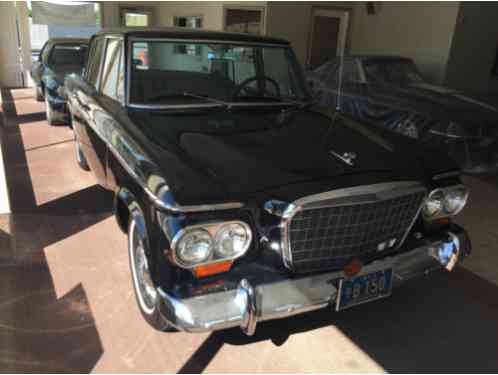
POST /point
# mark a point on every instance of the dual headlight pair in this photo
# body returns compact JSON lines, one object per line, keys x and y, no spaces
{"x":209,"y":243}
{"x":445,"y":202}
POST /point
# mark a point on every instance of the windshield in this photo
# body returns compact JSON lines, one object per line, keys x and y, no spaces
{"x":67,"y":55}
{"x":169,"y":73}
{"x":395,"y":72}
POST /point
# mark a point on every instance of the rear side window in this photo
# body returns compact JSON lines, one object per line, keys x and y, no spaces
{"x":67,"y":55}
{"x":94,"y":62}
{"x":112,"y":73}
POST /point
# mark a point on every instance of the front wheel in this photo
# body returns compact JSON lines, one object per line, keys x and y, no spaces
{"x":38,"y":94}
{"x":80,"y":157}
{"x":49,"y":111}
{"x":145,"y":290}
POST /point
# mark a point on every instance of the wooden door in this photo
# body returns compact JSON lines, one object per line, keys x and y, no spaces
{"x":328,"y":35}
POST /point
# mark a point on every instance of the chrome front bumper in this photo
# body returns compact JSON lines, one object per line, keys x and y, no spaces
{"x":247,"y":305}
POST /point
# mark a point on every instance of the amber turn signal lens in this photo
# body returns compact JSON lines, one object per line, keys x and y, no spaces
{"x":442,"y":221}
{"x":212,"y":269}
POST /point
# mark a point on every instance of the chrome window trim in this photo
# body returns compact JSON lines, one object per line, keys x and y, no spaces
{"x":128,"y":65}
{"x":347,"y":196}
{"x":363,"y":76}
{"x":206,"y":41}
{"x":453,"y":136}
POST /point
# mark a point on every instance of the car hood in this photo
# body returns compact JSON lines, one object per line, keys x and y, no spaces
{"x":443,"y":103}
{"x":286,"y":155}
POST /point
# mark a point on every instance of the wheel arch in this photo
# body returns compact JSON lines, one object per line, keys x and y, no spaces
{"x":126,"y":207}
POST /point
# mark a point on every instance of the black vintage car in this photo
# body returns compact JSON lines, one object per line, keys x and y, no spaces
{"x":242,"y":202}
{"x":388,"y":91}
{"x":58,"y":58}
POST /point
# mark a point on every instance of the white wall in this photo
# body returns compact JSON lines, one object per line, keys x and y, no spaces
{"x":211,"y":12}
{"x":292,"y":21}
{"x":10,"y":69}
{"x":111,"y":16}
{"x":474,"y":47}
{"x":422,"y":31}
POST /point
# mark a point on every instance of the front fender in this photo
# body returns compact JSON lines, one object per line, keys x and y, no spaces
{"x":128,"y":199}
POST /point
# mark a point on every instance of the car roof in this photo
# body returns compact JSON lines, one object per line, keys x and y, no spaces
{"x":186,"y":33}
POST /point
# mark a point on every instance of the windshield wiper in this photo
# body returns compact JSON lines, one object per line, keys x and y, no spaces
{"x":209,"y":99}
{"x":277,"y":99}
{"x":190,"y":95}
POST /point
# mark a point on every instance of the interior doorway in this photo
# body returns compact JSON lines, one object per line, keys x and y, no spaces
{"x":329,"y":28}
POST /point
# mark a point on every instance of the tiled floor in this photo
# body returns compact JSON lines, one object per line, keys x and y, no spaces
{"x":66,"y":301}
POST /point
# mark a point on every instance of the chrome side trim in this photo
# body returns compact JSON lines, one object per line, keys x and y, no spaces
{"x":444,"y":175}
{"x":348,"y":196}
{"x":211,"y":105}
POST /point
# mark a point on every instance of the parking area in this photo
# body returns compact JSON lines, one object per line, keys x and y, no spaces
{"x":67,"y":303}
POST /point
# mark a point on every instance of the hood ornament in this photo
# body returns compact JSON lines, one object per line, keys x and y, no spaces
{"x":347,"y":157}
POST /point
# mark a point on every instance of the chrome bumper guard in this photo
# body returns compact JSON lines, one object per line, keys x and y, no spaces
{"x":246,"y":305}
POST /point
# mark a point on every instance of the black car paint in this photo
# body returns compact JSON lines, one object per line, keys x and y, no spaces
{"x":48,"y":79}
{"x":428,"y":107}
{"x":284,"y":153}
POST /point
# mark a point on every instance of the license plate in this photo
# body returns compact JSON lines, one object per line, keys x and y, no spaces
{"x":364,"y":288}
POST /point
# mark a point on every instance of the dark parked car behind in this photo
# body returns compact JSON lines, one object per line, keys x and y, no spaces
{"x":390,"y":92}
{"x":58,"y":58}
{"x":241,"y":202}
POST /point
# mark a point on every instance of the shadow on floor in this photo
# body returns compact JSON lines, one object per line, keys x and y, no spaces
{"x":40,"y":331}
{"x":443,"y":323}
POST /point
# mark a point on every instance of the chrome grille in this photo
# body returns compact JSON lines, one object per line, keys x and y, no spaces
{"x":327,"y":233}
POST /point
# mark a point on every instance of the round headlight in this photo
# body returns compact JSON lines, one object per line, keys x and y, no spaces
{"x":232,"y":239}
{"x":434,"y":204}
{"x":194,"y":247}
{"x":455,"y":199}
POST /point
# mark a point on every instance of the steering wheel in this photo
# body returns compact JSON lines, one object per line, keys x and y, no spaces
{"x":244,"y":83}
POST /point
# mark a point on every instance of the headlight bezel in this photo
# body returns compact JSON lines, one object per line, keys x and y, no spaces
{"x":443,"y":212}
{"x":212,"y":228}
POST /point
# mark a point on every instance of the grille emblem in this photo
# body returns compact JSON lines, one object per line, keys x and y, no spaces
{"x":347,"y":157}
